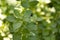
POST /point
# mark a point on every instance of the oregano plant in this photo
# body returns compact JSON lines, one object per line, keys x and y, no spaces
{"x":29,"y":19}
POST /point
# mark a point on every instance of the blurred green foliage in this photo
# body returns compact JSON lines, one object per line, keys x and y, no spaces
{"x":30,"y":19}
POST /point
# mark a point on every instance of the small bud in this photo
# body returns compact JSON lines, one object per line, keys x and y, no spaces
{"x":52,"y":9}
{"x":11,"y":2}
{"x":38,"y":9}
{"x":6,"y":38}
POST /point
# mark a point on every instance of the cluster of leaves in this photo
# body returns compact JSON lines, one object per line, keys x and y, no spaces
{"x":32,"y":19}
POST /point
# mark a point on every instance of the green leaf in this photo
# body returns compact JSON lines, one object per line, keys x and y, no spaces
{"x":10,"y":18}
{"x":27,"y":15}
{"x":32,"y":38}
{"x":25,"y":4}
{"x":17,"y":25}
{"x":31,"y":27}
{"x":16,"y":14}
{"x":17,"y":36}
{"x":33,"y":3}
